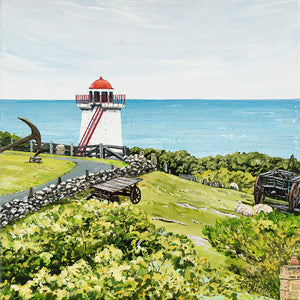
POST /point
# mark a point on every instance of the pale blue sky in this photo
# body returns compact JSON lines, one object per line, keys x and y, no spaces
{"x":153,"y":49}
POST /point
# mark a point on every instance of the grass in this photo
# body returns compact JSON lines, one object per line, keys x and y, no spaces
{"x":116,"y":163}
{"x":161,"y":191}
{"x":17,"y":174}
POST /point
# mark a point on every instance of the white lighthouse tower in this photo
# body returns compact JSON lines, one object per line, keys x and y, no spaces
{"x":101,"y":115}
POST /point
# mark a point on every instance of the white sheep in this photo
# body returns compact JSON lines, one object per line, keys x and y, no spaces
{"x":234,"y":186}
{"x":263,"y":207}
{"x":243,"y":209}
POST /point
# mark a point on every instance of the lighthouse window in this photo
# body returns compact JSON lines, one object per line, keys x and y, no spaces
{"x":91,"y":96}
{"x":111,"y":97}
{"x":97,"y":97}
{"x":104,"y":96}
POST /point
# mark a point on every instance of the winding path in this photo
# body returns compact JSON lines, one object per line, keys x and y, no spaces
{"x":78,"y":170}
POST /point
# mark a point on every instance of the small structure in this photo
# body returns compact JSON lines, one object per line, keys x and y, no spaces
{"x":101,"y":115}
{"x":278,"y":183}
{"x":111,"y":189}
{"x":290,"y":280}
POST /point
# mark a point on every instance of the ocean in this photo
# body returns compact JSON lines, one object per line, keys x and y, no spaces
{"x":202,"y":127}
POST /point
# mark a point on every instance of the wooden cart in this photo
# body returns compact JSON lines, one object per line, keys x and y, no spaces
{"x":278,"y":183}
{"x":121,"y":186}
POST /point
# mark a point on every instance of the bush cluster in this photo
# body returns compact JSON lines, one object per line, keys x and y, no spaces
{"x":244,"y":180}
{"x":94,"y":250}
{"x":262,"y":243}
{"x":183,"y":162}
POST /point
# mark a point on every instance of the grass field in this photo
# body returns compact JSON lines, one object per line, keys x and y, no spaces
{"x":116,"y":163}
{"x":161,"y":192}
{"x":17,"y":174}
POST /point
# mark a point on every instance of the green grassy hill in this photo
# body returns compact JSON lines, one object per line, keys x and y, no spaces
{"x":162,"y":193}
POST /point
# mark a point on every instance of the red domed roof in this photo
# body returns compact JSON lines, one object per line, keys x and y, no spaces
{"x":101,"y":84}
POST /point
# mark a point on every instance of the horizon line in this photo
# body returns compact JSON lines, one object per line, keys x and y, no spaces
{"x":165,"y":99}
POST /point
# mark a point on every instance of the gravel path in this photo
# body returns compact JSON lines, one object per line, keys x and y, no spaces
{"x":78,"y":170}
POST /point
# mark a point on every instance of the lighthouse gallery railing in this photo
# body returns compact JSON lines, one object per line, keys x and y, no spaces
{"x":85,"y":99}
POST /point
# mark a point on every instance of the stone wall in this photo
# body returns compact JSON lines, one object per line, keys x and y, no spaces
{"x":18,"y":208}
{"x":290,"y":282}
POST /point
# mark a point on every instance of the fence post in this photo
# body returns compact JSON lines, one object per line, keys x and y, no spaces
{"x":165,"y":167}
{"x":31,"y":145}
{"x":30,"y":194}
{"x":51,"y":147}
{"x":11,"y":141}
{"x":71,"y":149}
{"x":101,"y":151}
{"x":125,"y":151}
{"x":153,"y":159}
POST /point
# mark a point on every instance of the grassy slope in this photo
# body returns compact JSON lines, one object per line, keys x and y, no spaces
{"x":18,"y":174}
{"x":116,"y":163}
{"x":160,"y":191}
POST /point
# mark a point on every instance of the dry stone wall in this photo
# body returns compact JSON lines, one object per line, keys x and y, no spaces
{"x":18,"y":208}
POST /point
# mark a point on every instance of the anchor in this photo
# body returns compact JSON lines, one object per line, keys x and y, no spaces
{"x":35,"y":134}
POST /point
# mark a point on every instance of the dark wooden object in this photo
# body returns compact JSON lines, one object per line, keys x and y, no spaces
{"x":278,"y":183}
{"x":121,"y":186}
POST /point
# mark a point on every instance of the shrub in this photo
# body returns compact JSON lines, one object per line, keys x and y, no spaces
{"x":182,"y":162}
{"x":263,"y":243}
{"x":244,"y":180}
{"x":93,"y":250}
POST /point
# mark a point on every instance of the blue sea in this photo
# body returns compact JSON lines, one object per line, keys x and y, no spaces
{"x":202,"y":127}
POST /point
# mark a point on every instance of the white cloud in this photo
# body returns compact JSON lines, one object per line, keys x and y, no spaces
{"x":217,"y":49}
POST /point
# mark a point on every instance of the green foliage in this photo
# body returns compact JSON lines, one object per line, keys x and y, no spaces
{"x":182,"y":162}
{"x":263,"y":243}
{"x":93,"y":250}
{"x":244,"y":180}
{"x":5,"y":139}
{"x":6,"y":135}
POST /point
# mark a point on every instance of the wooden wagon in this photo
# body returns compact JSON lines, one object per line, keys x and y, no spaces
{"x":121,"y":186}
{"x":278,"y":183}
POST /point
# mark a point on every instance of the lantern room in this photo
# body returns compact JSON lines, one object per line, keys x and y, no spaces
{"x":100,"y":93}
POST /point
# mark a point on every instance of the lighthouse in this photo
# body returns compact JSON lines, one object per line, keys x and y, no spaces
{"x":101,"y":115}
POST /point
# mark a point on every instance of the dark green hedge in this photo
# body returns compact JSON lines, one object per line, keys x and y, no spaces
{"x":183,"y":162}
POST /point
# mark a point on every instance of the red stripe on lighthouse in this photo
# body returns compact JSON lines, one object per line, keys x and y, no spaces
{"x":91,"y":127}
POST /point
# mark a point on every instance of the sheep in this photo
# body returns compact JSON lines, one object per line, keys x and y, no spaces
{"x":234,"y":186}
{"x":243,"y":209}
{"x":263,"y":207}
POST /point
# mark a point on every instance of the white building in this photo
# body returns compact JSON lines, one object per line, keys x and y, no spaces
{"x":101,"y":115}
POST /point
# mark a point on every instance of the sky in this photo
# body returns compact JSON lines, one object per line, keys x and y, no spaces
{"x":150,"y":49}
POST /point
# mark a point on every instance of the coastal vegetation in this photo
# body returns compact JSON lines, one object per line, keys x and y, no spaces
{"x":263,"y":243}
{"x":183,"y":240}
{"x":240,"y":168}
{"x":183,"y":162}
{"x":100,"y":250}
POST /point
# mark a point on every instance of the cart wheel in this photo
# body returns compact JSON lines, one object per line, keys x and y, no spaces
{"x":294,"y":197}
{"x":115,"y":198}
{"x":258,"y":191}
{"x":135,"y":195}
